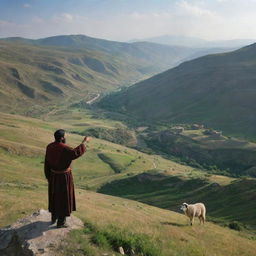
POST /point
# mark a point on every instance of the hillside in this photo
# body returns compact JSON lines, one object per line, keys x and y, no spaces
{"x":167,"y":191}
{"x":155,"y":56}
{"x":201,"y":149}
{"x":37,"y":74}
{"x":110,"y":220}
{"x":216,"y":90}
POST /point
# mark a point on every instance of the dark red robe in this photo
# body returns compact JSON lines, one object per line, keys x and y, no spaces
{"x":61,"y":193}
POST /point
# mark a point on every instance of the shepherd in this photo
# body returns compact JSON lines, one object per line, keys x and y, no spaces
{"x":57,"y":169}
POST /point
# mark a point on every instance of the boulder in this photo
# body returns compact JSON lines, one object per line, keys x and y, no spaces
{"x":121,"y":250}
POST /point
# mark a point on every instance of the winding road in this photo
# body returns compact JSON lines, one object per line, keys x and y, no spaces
{"x":93,"y":99}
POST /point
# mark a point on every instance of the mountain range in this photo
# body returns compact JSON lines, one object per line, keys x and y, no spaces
{"x":216,"y":90}
{"x":62,"y":69}
{"x":188,"y":41}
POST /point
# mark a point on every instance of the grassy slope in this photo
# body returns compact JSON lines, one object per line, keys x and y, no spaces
{"x":228,"y":153}
{"x":217,"y":90}
{"x":232,"y":202}
{"x":38,"y":73}
{"x":155,"y":56}
{"x":24,"y":189}
{"x":169,"y":228}
{"x":33,"y":77}
{"x":22,"y":144}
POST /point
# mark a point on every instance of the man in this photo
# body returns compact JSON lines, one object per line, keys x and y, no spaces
{"x":61,"y":194}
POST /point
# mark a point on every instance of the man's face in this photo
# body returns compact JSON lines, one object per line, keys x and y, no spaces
{"x":63,"y":140}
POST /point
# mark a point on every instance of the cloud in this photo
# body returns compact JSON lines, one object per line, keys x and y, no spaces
{"x":67,"y":16}
{"x":198,"y":18}
{"x":26,"y":5}
{"x":9,"y":29}
{"x":194,"y":10}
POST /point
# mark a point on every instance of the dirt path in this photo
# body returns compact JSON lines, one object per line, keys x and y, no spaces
{"x":93,"y":99}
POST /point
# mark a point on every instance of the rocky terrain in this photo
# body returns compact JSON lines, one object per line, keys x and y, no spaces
{"x":34,"y":235}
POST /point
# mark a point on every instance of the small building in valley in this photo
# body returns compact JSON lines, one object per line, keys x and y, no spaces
{"x":213,"y":133}
{"x":177,"y":129}
{"x":197,"y":126}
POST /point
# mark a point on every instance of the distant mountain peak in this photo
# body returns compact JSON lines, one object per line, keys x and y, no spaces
{"x":189,"y":41}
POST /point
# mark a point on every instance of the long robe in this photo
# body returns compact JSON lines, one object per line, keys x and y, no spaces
{"x":61,"y":193}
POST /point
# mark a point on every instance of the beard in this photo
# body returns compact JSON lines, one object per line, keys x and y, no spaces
{"x":63,"y":140}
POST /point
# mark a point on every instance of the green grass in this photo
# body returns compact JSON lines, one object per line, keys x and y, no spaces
{"x":117,"y":221}
{"x":113,"y":238}
{"x":232,"y":202}
{"x":118,"y":162}
{"x":22,"y":149}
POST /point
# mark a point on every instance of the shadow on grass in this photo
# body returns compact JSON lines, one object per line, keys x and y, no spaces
{"x":174,"y":224}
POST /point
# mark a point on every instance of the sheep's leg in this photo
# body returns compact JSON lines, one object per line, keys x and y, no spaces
{"x":200,"y":219}
{"x":191,"y":220}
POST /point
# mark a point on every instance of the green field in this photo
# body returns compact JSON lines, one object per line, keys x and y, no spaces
{"x":111,"y":220}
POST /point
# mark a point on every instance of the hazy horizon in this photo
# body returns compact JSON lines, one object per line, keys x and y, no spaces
{"x":123,"y":20}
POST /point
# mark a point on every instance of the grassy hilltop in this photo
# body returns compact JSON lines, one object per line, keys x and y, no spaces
{"x":24,"y":189}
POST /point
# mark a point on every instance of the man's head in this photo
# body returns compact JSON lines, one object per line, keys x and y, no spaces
{"x":59,"y":136}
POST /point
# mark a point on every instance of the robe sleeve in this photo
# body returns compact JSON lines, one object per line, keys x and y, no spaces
{"x":47,"y":169}
{"x":77,"y":152}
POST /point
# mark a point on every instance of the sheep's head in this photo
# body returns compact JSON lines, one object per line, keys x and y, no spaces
{"x":184,"y":207}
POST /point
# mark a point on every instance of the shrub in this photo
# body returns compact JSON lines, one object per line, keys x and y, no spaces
{"x":114,"y":238}
{"x":89,"y":228}
{"x":120,"y":135}
{"x":101,"y":240}
{"x":235,"y":225}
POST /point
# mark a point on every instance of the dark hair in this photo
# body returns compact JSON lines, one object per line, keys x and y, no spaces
{"x":59,"y":134}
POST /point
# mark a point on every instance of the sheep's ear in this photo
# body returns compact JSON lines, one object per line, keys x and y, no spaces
{"x":185,"y":204}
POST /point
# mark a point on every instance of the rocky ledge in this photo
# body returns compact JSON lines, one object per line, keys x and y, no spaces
{"x":34,"y":235}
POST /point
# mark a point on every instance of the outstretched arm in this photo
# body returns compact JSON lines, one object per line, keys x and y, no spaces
{"x":79,"y":150}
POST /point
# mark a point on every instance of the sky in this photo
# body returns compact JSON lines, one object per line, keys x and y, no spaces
{"x":123,"y":20}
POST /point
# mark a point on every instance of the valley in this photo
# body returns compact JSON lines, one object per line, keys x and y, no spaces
{"x":184,"y":135}
{"x":38,"y":74}
{"x":215,"y":90}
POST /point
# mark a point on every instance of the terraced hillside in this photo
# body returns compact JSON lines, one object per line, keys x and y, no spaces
{"x":206,"y":149}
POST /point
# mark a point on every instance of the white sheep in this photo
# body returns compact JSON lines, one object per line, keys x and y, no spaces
{"x":194,"y":210}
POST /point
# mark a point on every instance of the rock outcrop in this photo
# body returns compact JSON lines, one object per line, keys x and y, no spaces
{"x":34,"y":235}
